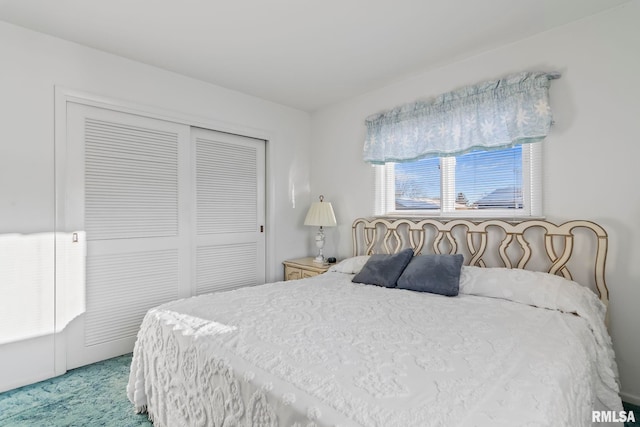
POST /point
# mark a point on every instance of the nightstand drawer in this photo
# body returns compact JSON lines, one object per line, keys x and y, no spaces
{"x":294,"y":273}
{"x":302,"y":268}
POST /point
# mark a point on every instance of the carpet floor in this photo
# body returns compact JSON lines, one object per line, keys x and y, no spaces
{"x":93,"y":395}
{"x":636,"y":413}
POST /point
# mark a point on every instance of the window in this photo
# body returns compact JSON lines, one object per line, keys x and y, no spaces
{"x":481,"y":146}
{"x":500,"y":183}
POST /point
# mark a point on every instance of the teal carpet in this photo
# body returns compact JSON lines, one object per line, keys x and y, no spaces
{"x":93,"y":395}
{"x":636,"y":413}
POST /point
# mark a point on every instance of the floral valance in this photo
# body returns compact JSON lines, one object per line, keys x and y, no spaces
{"x":491,"y":115}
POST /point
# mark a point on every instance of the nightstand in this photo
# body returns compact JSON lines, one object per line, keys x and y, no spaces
{"x":301,"y":268}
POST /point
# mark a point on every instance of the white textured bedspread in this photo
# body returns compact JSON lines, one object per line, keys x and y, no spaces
{"x":328,"y":352}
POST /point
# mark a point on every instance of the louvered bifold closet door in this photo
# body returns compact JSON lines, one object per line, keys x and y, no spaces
{"x":229,"y":211}
{"x":135,"y":180}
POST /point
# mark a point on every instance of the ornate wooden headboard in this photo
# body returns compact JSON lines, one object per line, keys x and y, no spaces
{"x":576,"y":250}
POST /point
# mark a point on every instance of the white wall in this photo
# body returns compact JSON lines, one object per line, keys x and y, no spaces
{"x":590,"y":156}
{"x":32,"y":64}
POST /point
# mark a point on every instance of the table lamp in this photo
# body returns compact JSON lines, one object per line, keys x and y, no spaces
{"x":320,"y":215}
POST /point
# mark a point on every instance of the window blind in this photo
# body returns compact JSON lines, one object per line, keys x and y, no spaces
{"x":498,"y":183}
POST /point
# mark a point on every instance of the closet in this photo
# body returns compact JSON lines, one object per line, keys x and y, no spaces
{"x":168,"y":210}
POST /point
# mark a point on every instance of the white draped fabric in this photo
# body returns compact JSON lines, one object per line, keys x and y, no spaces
{"x":328,"y":352}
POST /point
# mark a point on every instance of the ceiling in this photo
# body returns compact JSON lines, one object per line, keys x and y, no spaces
{"x":306,"y":54}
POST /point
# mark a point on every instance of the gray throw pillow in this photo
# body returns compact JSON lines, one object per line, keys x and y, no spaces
{"x":437,"y":274}
{"x":384,"y":270}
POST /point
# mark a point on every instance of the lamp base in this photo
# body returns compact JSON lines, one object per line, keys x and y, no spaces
{"x":320,"y":260}
{"x":320,"y":244}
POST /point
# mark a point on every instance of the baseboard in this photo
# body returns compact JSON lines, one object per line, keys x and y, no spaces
{"x":630,"y":398}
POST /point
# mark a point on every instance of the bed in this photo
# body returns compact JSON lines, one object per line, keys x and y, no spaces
{"x":522,"y":343}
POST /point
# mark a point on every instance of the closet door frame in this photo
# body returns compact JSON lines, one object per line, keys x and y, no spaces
{"x":64,"y":95}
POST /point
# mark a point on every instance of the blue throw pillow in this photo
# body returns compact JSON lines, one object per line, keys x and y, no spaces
{"x":384,"y":270}
{"x":437,"y":274}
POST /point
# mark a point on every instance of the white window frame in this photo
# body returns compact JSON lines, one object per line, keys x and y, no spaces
{"x":531,"y":191}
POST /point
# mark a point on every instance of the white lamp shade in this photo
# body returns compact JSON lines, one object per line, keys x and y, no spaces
{"x":321,"y":214}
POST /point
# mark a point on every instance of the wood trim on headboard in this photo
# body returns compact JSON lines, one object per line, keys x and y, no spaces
{"x":513,"y":246}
